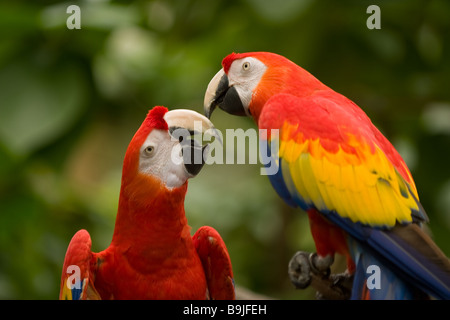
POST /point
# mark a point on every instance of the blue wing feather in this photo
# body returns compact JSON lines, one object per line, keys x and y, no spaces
{"x":374,"y":281}
{"x":276,"y":179}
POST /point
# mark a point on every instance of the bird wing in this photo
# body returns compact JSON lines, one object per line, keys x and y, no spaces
{"x":216,"y":263}
{"x":331,"y":160}
{"x":77,"y":279}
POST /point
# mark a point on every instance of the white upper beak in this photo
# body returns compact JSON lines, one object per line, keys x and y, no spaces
{"x":190,"y":120}
{"x":211,"y":91}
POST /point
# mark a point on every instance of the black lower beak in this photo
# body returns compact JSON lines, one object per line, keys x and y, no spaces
{"x":193,"y":156}
{"x":227,"y":99}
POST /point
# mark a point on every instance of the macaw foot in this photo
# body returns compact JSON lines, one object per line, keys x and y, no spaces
{"x":311,"y":269}
{"x":304,"y":265}
{"x":299,"y":270}
{"x":340,"y":287}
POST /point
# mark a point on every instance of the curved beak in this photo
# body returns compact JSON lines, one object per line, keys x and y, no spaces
{"x":189,"y":120}
{"x":183,"y":125}
{"x":220,"y":93}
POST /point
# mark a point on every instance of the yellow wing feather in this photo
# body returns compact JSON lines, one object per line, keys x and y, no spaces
{"x":362,"y":186}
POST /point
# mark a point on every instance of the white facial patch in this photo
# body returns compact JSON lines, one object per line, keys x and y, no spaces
{"x":161,"y":157}
{"x":245,"y":75}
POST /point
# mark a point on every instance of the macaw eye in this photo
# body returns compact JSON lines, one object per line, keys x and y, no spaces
{"x":246,"y":66}
{"x":149,"y":150}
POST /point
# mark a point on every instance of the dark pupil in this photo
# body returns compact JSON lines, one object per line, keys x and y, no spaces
{"x":149,"y":149}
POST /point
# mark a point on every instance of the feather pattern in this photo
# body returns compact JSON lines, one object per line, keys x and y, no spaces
{"x":353,"y":177}
{"x":79,"y":270}
{"x":354,"y":184}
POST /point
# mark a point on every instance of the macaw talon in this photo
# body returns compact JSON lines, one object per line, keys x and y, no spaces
{"x":309,"y":269}
{"x":320,"y":265}
{"x":343,"y":281}
{"x":339,"y":287}
{"x":333,"y":287}
{"x":299,"y":270}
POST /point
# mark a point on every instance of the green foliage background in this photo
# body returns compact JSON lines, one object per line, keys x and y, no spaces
{"x":70,"y":101}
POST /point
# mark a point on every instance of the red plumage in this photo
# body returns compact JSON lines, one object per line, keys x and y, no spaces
{"x":152,"y":254}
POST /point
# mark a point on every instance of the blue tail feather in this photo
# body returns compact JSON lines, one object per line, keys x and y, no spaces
{"x":374,"y":281}
{"x":412,"y":264}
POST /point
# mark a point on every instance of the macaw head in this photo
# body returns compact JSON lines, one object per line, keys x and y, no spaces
{"x":247,"y":80}
{"x":161,"y":153}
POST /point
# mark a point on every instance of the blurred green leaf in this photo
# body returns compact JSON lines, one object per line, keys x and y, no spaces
{"x":429,"y":45}
{"x":279,"y":11}
{"x":38,"y":105}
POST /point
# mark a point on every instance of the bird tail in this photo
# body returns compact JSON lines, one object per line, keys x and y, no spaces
{"x":374,"y":281}
{"x":402,"y":263}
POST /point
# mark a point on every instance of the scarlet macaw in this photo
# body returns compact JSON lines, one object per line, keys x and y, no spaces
{"x":359,"y":195}
{"x":152,"y":254}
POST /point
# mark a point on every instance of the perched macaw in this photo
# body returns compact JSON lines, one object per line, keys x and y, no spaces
{"x":359,"y":195}
{"x":152,"y":254}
